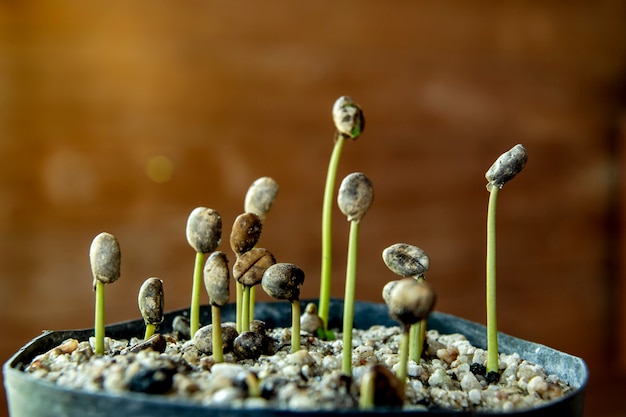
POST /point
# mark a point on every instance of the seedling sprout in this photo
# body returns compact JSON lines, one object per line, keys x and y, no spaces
{"x":104,"y":256}
{"x":410,"y":261}
{"x":349,"y":124}
{"x":354,"y":199}
{"x":150,"y":300}
{"x":282,"y":281}
{"x":409,"y":301}
{"x":504,"y":169}
{"x":204,"y":232}
{"x":216,"y":282}
{"x":259,"y":200}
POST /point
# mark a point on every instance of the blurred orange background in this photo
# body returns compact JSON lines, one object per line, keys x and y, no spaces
{"x":124,"y":116}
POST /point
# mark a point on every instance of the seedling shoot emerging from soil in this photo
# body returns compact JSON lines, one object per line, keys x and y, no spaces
{"x":354,"y":199}
{"x":216,"y":281}
{"x":349,"y":124}
{"x":282,"y":281}
{"x":204,"y":232}
{"x":104,"y":256}
{"x":504,"y":169}
{"x":150,"y":300}
{"x":409,"y":302}
{"x":410,"y":261}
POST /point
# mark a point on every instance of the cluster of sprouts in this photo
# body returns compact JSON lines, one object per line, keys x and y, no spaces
{"x":410,"y":298}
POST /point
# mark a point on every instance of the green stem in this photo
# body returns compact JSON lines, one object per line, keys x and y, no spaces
{"x":150,"y":329}
{"x":252,"y":301}
{"x":492,"y":330}
{"x":216,"y":321}
{"x":245,"y":309}
{"x":414,"y":353}
{"x":295,"y":326}
{"x":194,"y":315}
{"x":403,"y":352}
{"x":99,"y":321}
{"x":327,"y":247}
{"x":366,"y":397}
{"x":348,"y":307}
{"x":239,"y":291}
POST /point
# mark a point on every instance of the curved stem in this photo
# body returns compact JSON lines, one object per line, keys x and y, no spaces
{"x":295,"y":326}
{"x":492,"y":330}
{"x":216,"y":321}
{"x":327,"y":248}
{"x":194,"y":315}
{"x":348,"y":306}
{"x":150,"y":329}
{"x":99,"y":320}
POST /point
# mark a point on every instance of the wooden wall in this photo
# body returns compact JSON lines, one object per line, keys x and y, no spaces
{"x":91,"y":94}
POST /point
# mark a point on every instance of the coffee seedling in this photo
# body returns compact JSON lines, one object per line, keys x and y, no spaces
{"x":410,"y":261}
{"x":244,"y":236}
{"x":150,"y":300}
{"x":259,"y":200}
{"x":282,"y":281}
{"x":409,"y":301}
{"x":504,"y":169}
{"x":354,"y":199}
{"x":204,"y":232}
{"x":104,"y":257}
{"x":349,"y":124}
{"x":248,"y":272}
{"x":216,"y":282}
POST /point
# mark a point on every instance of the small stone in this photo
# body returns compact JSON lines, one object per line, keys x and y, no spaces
{"x":474,"y":396}
{"x":469,"y":382}
{"x":538,"y":385}
{"x":152,"y":381}
{"x":180,"y":325}
{"x":203,"y":339}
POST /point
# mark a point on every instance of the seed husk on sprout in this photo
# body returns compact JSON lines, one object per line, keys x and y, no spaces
{"x":504,"y":169}
{"x":216,"y":282}
{"x":354,"y":199}
{"x":410,"y":261}
{"x":248,"y":272}
{"x":349,"y":123}
{"x":105,"y":258}
{"x":244,"y":236}
{"x":151,"y":301}
{"x":204,"y":232}
{"x":409,"y":301}
{"x":282,"y":281}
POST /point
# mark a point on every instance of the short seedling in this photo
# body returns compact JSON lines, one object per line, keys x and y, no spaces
{"x":259,"y":200}
{"x":282,"y":281}
{"x":380,"y":388}
{"x":354,"y":199}
{"x":244,"y":236}
{"x":504,"y":169}
{"x":410,"y":261}
{"x":248,"y":272}
{"x":409,"y":301}
{"x":216,"y":281}
{"x":204,"y":232}
{"x":349,"y":124}
{"x":104,"y":256}
{"x":150,"y":300}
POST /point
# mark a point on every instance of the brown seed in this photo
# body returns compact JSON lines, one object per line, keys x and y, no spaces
{"x":507,"y":166}
{"x":250,"y":266}
{"x":406,"y":260}
{"x":105,"y":258}
{"x":246,"y":233}
{"x":156,"y":342}
{"x":355,"y":196}
{"x":150,"y":300}
{"x":261,"y":196}
{"x":203,"y":339}
{"x":217,"y":279}
{"x":282,"y":281}
{"x":250,"y":345}
{"x":388,"y":390}
{"x":204,"y":229}
{"x":410,"y":301}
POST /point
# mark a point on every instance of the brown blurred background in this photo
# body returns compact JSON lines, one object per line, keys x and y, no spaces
{"x":124,"y":116}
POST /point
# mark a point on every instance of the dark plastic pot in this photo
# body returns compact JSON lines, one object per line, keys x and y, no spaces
{"x":31,"y":397}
